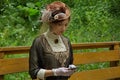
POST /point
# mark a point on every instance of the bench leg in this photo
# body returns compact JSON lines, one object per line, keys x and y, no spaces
{"x":115,"y":63}
{"x":1,"y":77}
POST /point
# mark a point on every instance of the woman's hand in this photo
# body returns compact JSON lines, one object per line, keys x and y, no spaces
{"x":63,"y":71}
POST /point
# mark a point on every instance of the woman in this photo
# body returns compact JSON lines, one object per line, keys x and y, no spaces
{"x":51,"y":55}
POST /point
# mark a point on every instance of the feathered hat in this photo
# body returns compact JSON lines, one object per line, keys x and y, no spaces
{"x":56,"y":11}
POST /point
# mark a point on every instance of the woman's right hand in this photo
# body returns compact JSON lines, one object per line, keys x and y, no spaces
{"x":63,"y":71}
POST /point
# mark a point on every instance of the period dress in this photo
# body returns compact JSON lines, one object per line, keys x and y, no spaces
{"x":50,"y":51}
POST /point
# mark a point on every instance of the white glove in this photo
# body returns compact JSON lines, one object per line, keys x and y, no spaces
{"x":62,"y":71}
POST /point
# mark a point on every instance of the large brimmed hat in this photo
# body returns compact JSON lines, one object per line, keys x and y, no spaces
{"x":55,"y":11}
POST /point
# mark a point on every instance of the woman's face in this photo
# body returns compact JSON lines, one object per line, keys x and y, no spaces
{"x":59,"y":28}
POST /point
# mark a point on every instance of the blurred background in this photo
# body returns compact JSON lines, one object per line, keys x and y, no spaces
{"x":91,"y":21}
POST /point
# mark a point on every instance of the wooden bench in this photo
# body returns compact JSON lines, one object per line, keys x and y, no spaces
{"x":110,"y":52}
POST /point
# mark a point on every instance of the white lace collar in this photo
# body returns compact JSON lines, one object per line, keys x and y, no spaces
{"x":58,"y":45}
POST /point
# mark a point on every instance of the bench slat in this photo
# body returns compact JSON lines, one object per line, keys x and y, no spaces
{"x":13,"y":65}
{"x":93,"y":57}
{"x":99,"y":74}
{"x":21,"y":64}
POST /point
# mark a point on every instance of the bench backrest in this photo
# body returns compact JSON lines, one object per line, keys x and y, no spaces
{"x":112,"y":55}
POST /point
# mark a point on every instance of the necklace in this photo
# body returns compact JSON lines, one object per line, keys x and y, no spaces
{"x":56,"y":41}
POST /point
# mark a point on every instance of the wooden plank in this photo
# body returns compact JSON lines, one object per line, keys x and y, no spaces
{"x":14,"y":50}
{"x":75,"y":46}
{"x":1,"y":56}
{"x":94,"y":45}
{"x":1,"y":77}
{"x":115,"y":63}
{"x":99,"y":74}
{"x":13,"y":65}
{"x":93,"y":57}
{"x":17,"y":52}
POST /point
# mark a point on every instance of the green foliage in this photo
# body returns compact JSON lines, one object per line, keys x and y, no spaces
{"x":92,"y":66}
{"x":17,"y":76}
{"x":91,"y":21}
{"x":115,"y":8}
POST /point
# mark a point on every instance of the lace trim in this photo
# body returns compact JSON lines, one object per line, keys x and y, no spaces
{"x":58,"y":46}
{"x":61,"y":56}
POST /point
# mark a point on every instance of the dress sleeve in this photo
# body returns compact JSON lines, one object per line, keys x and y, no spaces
{"x":71,"y":52}
{"x":34,"y":59}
